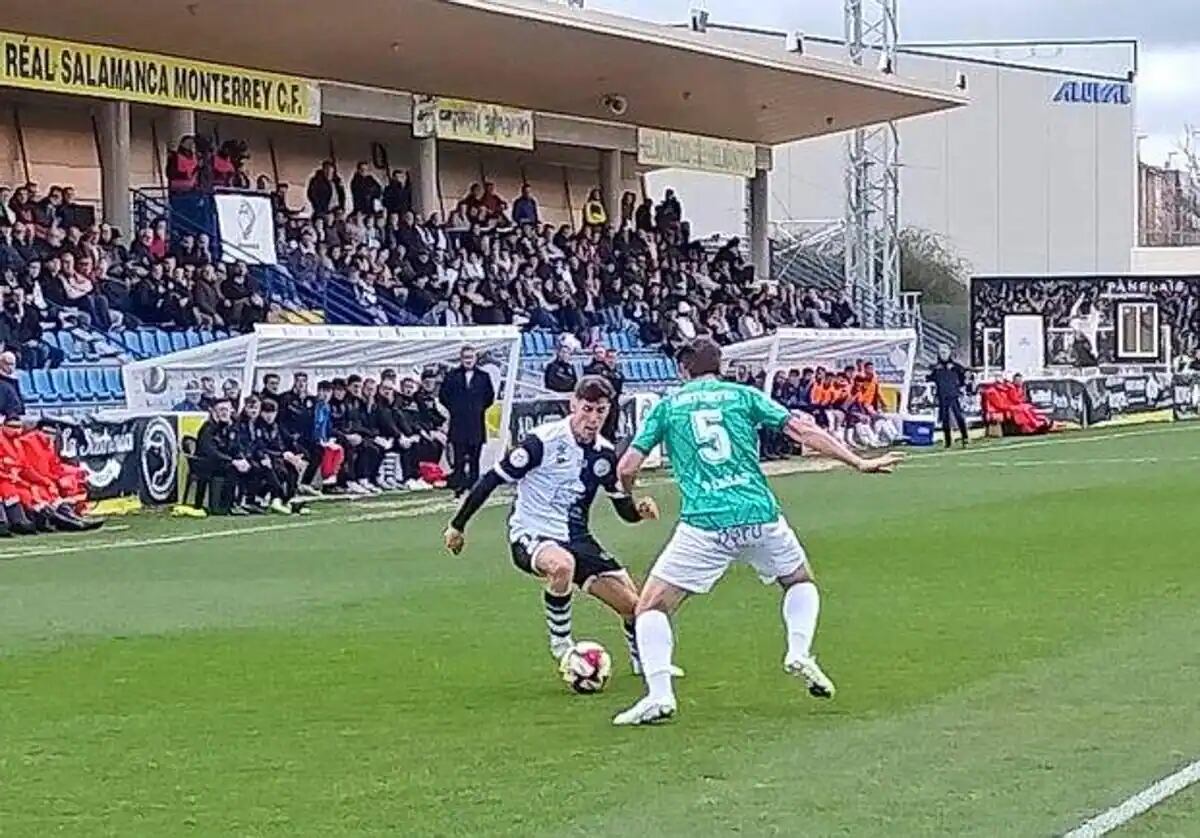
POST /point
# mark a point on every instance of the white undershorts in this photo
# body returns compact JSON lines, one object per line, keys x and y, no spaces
{"x":695,"y":560}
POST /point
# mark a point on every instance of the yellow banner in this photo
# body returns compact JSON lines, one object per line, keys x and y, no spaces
{"x":689,"y":151}
{"x":83,"y":70}
{"x":472,"y":122}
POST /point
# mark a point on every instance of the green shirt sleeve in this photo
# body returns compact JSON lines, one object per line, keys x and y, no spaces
{"x":766,"y":412}
{"x":650,"y":434}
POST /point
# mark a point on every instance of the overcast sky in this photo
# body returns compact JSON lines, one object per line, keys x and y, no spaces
{"x":1169,"y":31}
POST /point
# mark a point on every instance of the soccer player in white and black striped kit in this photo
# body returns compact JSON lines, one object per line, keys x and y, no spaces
{"x":559,"y":468}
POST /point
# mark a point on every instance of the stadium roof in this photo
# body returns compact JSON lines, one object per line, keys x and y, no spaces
{"x":524,"y":53}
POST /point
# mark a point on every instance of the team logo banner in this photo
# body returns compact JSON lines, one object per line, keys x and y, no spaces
{"x":247,"y":227}
{"x":128,"y":458}
{"x":56,"y":66}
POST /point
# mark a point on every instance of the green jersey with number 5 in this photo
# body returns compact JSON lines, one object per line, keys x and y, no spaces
{"x":709,"y":430}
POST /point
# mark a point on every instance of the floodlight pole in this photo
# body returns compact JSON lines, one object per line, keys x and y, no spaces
{"x":872,"y":228}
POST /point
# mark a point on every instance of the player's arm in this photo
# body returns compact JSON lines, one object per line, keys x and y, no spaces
{"x":809,"y":435}
{"x":628,"y":509}
{"x":803,"y":429}
{"x":649,"y":436}
{"x":517,"y":463}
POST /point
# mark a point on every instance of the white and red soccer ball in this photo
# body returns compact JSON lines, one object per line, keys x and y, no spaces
{"x":586,"y":667}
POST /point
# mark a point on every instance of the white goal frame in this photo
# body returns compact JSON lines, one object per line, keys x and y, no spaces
{"x":322,"y":350}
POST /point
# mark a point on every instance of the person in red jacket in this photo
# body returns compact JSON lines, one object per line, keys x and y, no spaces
{"x":183,"y":165}
{"x":34,"y":500}
{"x":1007,"y":402}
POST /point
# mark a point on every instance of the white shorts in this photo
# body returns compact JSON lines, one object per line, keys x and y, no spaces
{"x":694,"y":559}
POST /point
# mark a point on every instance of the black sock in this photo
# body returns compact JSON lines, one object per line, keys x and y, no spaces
{"x":631,"y":641}
{"x":558,"y":616}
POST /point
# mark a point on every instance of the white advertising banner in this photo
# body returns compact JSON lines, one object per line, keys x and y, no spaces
{"x":247,"y":227}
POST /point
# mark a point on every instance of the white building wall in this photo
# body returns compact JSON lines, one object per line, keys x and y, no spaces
{"x":1016,"y":182}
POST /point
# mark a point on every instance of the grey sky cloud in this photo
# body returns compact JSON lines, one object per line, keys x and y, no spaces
{"x":1169,"y":32}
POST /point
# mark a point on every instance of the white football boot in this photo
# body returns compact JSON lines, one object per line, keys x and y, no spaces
{"x":818,"y":683}
{"x":648,"y":711}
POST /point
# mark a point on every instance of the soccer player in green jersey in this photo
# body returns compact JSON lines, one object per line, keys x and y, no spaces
{"x":709,"y":430}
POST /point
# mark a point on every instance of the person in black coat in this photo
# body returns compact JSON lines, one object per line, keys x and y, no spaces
{"x":364,"y":189}
{"x":466,"y":394}
{"x":325,"y":190}
{"x":604,"y":364}
{"x":949,"y":377}
{"x":218,"y":453}
{"x":560,"y":373}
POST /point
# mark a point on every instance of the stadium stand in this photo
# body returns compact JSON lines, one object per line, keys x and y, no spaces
{"x":639,"y":284}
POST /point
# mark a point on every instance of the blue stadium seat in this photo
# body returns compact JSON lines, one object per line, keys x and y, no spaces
{"x":116,"y":385}
{"x":136,"y":341}
{"x":88,"y":348}
{"x":39,"y":388}
{"x":50,"y":339}
{"x":162,"y":343}
{"x":80,"y":385}
{"x":60,"y":385}
{"x":25,"y":383}
{"x":178,"y":341}
{"x":205,"y":336}
{"x":192,"y":338}
{"x":72,"y":349}
{"x":99,"y":385}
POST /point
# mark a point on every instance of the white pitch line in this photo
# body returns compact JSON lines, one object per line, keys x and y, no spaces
{"x":1057,"y":439}
{"x":1038,"y":463}
{"x":414,"y":510}
{"x":1138,"y":804}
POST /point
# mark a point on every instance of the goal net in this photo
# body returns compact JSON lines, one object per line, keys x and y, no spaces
{"x":892,"y":351}
{"x":325,"y":352}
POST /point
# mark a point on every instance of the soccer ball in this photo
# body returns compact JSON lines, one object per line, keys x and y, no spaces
{"x":586,"y":667}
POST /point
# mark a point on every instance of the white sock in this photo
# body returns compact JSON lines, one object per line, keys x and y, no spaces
{"x":801,"y":604}
{"x":655,"y":643}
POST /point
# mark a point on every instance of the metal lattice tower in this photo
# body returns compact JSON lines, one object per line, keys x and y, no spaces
{"x":873,"y":176}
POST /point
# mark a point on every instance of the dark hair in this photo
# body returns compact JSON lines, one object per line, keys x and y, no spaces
{"x":354,"y":379}
{"x":701,"y":357}
{"x":594,"y":388}
{"x":339,"y":382}
{"x":269,"y":406}
{"x":324,"y":385}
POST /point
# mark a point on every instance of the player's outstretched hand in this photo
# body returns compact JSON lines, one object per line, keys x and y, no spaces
{"x":455,"y":540}
{"x":883,"y":464}
{"x":647,"y":508}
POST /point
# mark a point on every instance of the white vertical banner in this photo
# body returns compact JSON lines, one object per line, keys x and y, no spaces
{"x":1024,"y":343}
{"x":246,"y":224}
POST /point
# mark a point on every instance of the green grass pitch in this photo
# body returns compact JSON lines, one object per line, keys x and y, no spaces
{"x":1014,"y":631}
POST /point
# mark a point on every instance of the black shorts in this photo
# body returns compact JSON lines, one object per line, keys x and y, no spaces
{"x":591,"y":560}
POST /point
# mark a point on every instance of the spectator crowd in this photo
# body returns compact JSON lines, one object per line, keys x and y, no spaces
{"x":359,"y":251}
{"x":59,"y":268}
{"x":490,"y":262}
